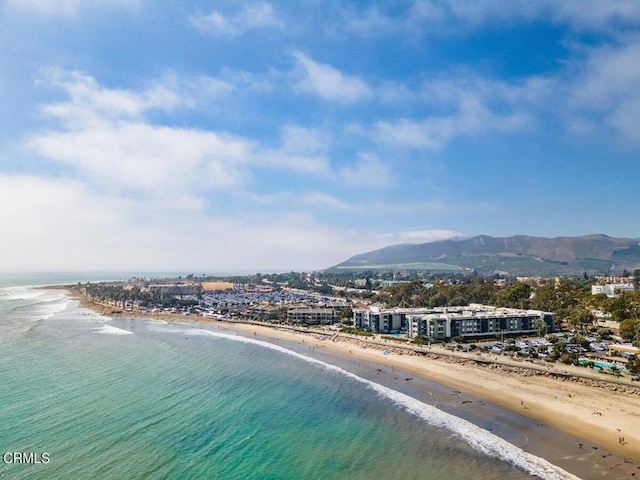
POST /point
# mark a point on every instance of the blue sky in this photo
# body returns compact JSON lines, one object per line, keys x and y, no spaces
{"x":225,"y":135}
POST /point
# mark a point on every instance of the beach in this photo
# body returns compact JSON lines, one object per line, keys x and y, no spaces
{"x":602,"y":418}
{"x":601,"y":415}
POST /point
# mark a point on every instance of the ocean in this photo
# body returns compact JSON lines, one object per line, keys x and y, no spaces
{"x":85,"y":396}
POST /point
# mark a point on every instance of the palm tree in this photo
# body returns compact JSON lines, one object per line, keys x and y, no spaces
{"x":540,"y":324}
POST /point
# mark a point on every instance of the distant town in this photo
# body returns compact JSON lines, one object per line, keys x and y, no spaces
{"x":589,"y":321}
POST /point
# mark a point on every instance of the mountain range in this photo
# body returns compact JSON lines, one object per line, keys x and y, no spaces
{"x":518,"y":255}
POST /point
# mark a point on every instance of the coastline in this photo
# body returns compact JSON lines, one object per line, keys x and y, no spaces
{"x":600,"y":413}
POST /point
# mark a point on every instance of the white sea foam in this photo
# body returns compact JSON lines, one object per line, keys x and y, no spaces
{"x":48,"y":310}
{"x":45,"y":313}
{"x":111,"y":330}
{"x":42,"y":304}
{"x":478,"y":438}
{"x":20,"y":293}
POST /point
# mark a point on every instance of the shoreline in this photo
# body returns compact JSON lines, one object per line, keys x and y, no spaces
{"x":599,"y":412}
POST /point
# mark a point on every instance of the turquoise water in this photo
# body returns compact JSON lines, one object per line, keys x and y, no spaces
{"x":133,"y":399}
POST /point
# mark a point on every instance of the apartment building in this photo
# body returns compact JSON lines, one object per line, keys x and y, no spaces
{"x":472,"y":321}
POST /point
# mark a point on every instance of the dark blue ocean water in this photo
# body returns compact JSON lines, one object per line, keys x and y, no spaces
{"x":130,"y":398}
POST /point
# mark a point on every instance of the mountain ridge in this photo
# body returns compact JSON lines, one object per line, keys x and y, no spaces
{"x":515,"y":255}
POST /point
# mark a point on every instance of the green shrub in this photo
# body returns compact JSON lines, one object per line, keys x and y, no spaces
{"x":356,"y":331}
{"x":394,"y":339}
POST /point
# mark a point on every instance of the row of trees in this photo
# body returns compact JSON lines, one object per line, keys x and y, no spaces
{"x":115,"y":294}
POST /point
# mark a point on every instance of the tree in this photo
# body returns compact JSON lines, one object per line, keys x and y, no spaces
{"x":438,"y":300}
{"x":346,"y":314}
{"x":630,"y":329}
{"x":324,"y":289}
{"x":403,"y":295}
{"x":636,"y":279}
{"x":579,"y":339}
{"x":561,"y":298}
{"x":515,"y":296}
{"x":581,"y":317}
{"x":540,"y":324}
{"x":633,"y":365}
{"x":544,"y":298}
{"x":626,"y":305}
{"x":558,"y":349}
{"x":598,"y":301}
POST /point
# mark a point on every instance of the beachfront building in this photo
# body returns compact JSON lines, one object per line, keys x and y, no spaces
{"x":377,"y":319}
{"x":312,"y":315}
{"x":472,"y":321}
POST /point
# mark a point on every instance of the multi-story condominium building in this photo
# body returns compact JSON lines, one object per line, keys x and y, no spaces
{"x":440,"y":323}
{"x":311,"y":315}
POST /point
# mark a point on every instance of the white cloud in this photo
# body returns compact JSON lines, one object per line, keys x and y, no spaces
{"x":595,"y":14}
{"x":257,"y":15}
{"x":105,"y":137}
{"x":57,"y":224}
{"x":324,"y":200}
{"x":328,"y":82}
{"x":67,"y":8}
{"x":469,"y":106}
{"x":298,"y":139}
{"x":373,"y":21}
{"x":611,"y":74}
{"x":438,"y":207}
{"x":196,"y":90}
{"x":150,"y":159}
{"x":604,"y":91}
{"x":247,"y":81}
{"x":626,"y":120}
{"x":368,"y":171}
{"x":89,"y":102}
{"x":303,"y":150}
{"x":424,"y":17}
{"x":434,"y":132}
{"x":418,"y":236}
{"x":429,"y":134}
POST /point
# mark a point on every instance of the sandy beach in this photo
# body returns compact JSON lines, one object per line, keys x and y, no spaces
{"x":605,"y":415}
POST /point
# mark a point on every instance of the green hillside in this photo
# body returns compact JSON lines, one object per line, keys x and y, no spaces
{"x":518,"y":255}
